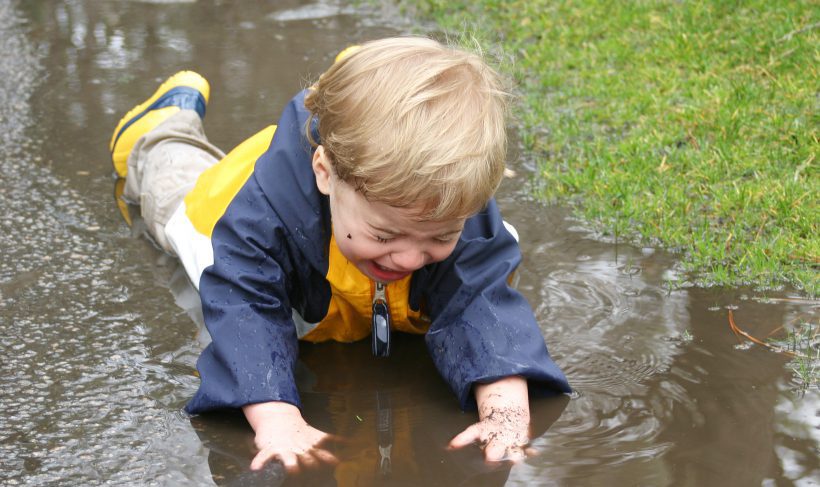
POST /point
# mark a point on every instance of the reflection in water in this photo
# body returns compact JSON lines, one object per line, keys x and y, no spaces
{"x":395,"y":418}
{"x":98,"y":356}
{"x":311,"y":12}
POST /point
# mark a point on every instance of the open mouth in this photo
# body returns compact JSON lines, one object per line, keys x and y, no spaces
{"x":385,"y":274}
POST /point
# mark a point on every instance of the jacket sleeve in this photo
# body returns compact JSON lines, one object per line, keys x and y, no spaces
{"x":483,"y":330}
{"x":245,"y":304}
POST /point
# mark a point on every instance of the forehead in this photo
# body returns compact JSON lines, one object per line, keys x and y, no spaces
{"x":406,"y":220}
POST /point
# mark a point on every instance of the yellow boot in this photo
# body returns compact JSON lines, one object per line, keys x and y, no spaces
{"x":185,"y":90}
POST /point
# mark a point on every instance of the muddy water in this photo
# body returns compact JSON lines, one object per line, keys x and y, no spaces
{"x":99,"y":335}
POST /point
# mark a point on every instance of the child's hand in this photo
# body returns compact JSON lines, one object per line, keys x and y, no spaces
{"x":282,"y":434}
{"x":504,"y":421}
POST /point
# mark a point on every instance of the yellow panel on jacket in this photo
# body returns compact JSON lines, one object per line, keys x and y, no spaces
{"x":349,"y":315}
{"x":217,"y":186}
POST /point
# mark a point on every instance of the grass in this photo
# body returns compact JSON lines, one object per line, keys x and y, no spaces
{"x":801,"y":343}
{"x":804,"y":345}
{"x":686,"y":125}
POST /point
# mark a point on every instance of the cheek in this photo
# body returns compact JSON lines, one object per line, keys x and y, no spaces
{"x":358,"y":248}
{"x":439,"y":253}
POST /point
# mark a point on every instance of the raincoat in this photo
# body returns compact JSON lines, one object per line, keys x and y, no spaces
{"x":254,"y":236}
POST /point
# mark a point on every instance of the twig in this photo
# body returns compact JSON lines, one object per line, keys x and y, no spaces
{"x":752,"y":339}
{"x":812,"y":302}
{"x":793,"y":33}
{"x":774,"y":331}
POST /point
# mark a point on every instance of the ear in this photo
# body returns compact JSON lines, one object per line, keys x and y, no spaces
{"x":322,"y":170}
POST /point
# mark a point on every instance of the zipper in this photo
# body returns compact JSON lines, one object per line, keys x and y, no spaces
{"x":380,"y":322}
{"x":380,"y":294}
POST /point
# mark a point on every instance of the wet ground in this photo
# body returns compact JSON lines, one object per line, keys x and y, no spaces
{"x":98,"y":344}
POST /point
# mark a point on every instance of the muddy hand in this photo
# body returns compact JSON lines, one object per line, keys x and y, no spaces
{"x":502,"y":434}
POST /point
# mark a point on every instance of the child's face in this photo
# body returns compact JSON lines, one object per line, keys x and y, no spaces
{"x":384,"y":242}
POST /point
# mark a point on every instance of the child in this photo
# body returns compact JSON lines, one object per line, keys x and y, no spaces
{"x":367,"y":208}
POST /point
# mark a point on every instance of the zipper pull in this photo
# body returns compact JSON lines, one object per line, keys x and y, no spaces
{"x":381,"y":322}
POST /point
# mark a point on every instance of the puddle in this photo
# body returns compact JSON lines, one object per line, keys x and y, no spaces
{"x":98,"y":354}
{"x":311,"y":12}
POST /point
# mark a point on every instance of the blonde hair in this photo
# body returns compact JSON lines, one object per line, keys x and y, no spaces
{"x":407,"y":121}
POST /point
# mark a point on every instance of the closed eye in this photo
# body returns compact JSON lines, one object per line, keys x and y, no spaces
{"x":447,"y":238}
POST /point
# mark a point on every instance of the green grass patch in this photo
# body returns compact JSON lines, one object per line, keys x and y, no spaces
{"x":689,"y":125}
{"x":803,"y":344}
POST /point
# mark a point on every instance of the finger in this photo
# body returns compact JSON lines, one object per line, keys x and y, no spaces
{"x":466,"y":437}
{"x":309,"y":460}
{"x":495,"y":451}
{"x":262,"y":458}
{"x":290,"y":461}
{"x":515,"y":454}
{"x":531,"y":452}
{"x":325,"y":456}
{"x":329,"y":440}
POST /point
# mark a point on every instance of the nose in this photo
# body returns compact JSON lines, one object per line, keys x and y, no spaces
{"x":408,"y":260}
